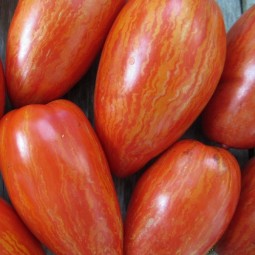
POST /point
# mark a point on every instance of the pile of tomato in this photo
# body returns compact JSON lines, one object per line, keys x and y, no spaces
{"x":163,"y":64}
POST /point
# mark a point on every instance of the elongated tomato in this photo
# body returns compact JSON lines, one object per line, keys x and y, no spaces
{"x":2,"y":90}
{"x":184,"y":202}
{"x":58,"y":179}
{"x":229,"y":118}
{"x":51,"y":44}
{"x":240,"y":235}
{"x":15,"y":238}
{"x":159,"y":67}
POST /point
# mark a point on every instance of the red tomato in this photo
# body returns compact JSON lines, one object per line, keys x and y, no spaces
{"x":2,"y":90}
{"x":15,"y":238}
{"x":184,"y":202}
{"x":159,"y":67}
{"x":58,"y":179}
{"x":240,"y":235}
{"x":51,"y":44}
{"x":229,"y":118}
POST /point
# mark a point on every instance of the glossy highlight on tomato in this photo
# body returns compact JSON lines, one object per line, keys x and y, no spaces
{"x":229,"y":118}
{"x":15,"y":238}
{"x":51,"y":44}
{"x":58,"y":179}
{"x":184,"y":201}
{"x":240,"y":235}
{"x":160,"y":65}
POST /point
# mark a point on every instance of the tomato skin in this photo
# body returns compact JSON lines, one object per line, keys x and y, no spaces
{"x":2,"y":90}
{"x":15,"y":238}
{"x":160,"y":65}
{"x":229,"y":118}
{"x":184,"y":202}
{"x":58,"y":179}
{"x":51,"y":44}
{"x":240,"y":235}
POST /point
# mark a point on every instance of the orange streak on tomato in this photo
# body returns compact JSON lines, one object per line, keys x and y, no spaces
{"x":2,"y":90}
{"x":58,"y":179}
{"x":51,"y":44}
{"x":15,"y":238}
{"x":184,"y":202}
{"x":240,"y":235}
{"x":229,"y":117}
{"x":160,"y":65}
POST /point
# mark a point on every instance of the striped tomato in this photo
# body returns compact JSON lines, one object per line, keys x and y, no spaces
{"x":58,"y":179}
{"x":160,"y":65}
{"x":240,"y":235}
{"x":15,"y":238}
{"x":51,"y":44}
{"x":184,"y":202}
{"x":229,"y":118}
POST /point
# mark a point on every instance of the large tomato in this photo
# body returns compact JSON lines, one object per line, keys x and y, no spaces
{"x":15,"y":238}
{"x":240,"y":235}
{"x":229,"y":118}
{"x":2,"y":90}
{"x":52,"y":43}
{"x":58,"y":179}
{"x":184,"y":202}
{"x":160,"y":65}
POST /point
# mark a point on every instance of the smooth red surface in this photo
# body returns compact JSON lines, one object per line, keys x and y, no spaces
{"x":2,"y":90}
{"x":184,"y":202}
{"x":58,"y":179}
{"x":160,"y":65}
{"x":229,"y":118}
{"x":240,"y":235}
{"x":51,"y":44}
{"x":15,"y":238}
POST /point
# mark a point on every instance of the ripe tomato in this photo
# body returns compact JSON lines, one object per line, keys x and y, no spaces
{"x":15,"y":238}
{"x":2,"y":90}
{"x":160,"y":65}
{"x":240,"y":235}
{"x":184,"y":202}
{"x":52,"y":43}
{"x":229,"y":118}
{"x":58,"y":179}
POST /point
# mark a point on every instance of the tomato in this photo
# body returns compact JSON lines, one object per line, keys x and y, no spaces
{"x":15,"y":238}
{"x":2,"y":90}
{"x":51,"y":44}
{"x":160,"y":65}
{"x":184,"y":202}
{"x":240,"y":235}
{"x":58,"y":179}
{"x":229,"y":118}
